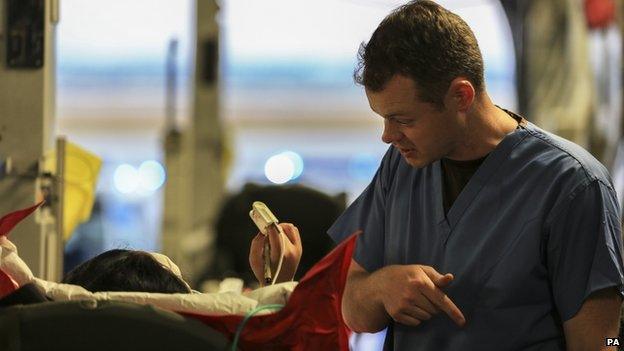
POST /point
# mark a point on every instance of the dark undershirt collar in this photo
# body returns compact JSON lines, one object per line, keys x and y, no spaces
{"x":456,"y":174}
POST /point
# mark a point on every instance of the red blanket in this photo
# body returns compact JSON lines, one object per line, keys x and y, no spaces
{"x":7,"y":285}
{"x":312,"y":318}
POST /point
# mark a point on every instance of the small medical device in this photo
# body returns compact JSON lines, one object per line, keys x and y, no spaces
{"x":264,"y":220}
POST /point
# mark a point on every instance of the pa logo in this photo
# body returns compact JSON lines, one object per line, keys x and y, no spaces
{"x":612,"y":341}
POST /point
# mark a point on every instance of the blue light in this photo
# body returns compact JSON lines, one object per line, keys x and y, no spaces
{"x":151,"y":176}
{"x":126,"y":179}
{"x":297,"y":162}
{"x":279,"y":169}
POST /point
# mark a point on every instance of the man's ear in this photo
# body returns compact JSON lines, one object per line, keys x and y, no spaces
{"x":460,"y":94}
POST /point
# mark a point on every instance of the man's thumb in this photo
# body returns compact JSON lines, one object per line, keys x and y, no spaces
{"x":438,"y":279}
{"x":443,"y":280}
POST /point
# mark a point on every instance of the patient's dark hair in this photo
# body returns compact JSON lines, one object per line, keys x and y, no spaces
{"x":125,"y":270}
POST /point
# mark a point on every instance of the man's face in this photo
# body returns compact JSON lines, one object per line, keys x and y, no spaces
{"x":419,"y":130}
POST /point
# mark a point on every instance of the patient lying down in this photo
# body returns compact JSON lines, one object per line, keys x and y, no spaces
{"x":130,"y":270}
{"x":152,"y":279}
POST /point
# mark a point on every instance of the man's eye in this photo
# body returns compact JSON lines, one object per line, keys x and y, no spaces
{"x":403,"y":122}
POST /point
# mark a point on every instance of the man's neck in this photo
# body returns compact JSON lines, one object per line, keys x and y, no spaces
{"x":486,"y":126}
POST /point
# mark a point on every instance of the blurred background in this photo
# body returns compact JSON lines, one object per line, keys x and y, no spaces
{"x":285,"y":86}
{"x":193,"y":109}
{"x":184,"y":112}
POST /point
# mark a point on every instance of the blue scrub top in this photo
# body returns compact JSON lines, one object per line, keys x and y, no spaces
{"x":534,"y":232}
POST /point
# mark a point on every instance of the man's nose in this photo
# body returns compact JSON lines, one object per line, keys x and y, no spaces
{"x":390,"y":133}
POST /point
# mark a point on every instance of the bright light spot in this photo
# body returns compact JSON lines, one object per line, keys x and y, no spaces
{"x":279,"y":169}
{"x":126,"y":179}
{"x":297,"y":162}
{"x":151,"y":176}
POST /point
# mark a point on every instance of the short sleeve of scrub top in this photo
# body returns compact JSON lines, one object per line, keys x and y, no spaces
{"x":367,"y":213}
{"x":583,"y":246}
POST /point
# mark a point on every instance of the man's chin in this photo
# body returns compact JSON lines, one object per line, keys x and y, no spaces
{"x":417,"y":162}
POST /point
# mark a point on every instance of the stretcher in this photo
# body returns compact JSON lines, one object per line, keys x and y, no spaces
{"x":310,"y":318}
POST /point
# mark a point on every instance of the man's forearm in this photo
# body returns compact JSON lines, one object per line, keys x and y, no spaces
{"x":598,"y":318}
{"x":362,"y":308}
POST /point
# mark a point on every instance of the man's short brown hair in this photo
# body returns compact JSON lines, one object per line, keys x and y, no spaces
{"x":425,"y":42}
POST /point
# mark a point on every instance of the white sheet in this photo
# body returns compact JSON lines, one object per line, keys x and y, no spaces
{"x":213,"y":304}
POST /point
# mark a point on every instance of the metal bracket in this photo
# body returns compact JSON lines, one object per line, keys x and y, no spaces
{"x":25,"y":33}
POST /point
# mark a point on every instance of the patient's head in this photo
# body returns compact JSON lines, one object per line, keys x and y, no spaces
{"x":125,"y":270}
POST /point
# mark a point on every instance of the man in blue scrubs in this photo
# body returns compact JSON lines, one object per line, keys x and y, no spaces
{"x":481,"y":231}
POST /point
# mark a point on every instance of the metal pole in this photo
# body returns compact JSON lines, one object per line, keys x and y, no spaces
{"x":60,"y":205}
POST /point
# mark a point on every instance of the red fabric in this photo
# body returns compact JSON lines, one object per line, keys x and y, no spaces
{"x":10,"y":220}
{"x":599,"y":13}
{"x":312,"y":318}
{"x":7,"y":285}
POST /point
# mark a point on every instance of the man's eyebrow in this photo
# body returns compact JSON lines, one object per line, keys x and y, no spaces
{"x":395,"y":115}
{"x":392,"y":114}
